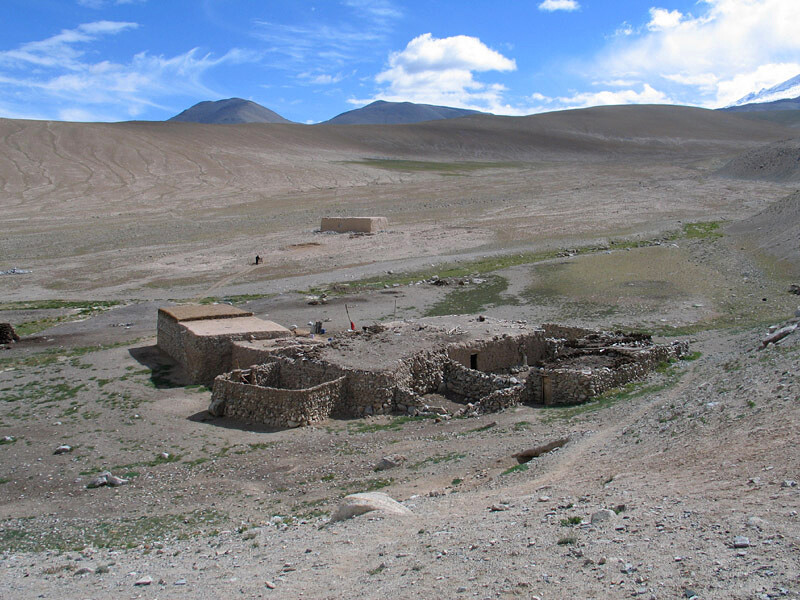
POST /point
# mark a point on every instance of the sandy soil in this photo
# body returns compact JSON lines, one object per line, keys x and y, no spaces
{"x":689,"y":461}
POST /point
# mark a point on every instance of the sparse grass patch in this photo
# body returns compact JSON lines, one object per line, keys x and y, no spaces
{"x":516,"y":469}
{"x":473,"y":298}
{"x":571,"y":521}
{"x":38,"y":534}
{"x":436,"y":459}
{"x":567,"y":540}
{"x":708,"y":230}
{"x":394,"y":425}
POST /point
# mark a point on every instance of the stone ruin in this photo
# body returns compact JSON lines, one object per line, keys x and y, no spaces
{"x":472,"y":365}
{"x":354,"y":224}
{"x":7,"y":334}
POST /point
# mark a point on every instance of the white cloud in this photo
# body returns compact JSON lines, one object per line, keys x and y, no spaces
{"x":69,"y":86}
{"x":647,"y":95}
{"x":553,"y":5}
{"x":730,"y":48}
{"x":661,"y":18}
{"x":441,"y":71}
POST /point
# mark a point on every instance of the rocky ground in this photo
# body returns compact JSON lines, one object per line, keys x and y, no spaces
{"x":680,"y":486}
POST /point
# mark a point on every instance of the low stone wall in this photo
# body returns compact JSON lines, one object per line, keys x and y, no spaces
{"x":236,"y":397}
{"x":576,"y":385}
{"x":501,"y":352}
{"x":474,"y":385}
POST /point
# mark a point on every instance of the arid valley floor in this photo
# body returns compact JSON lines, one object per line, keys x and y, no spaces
{"x":679,"y":222}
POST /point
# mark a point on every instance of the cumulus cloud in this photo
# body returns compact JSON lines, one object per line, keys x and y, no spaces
{"x":647,"y":95}
{"x":553,"y":5}
{"x":69,"y":86}
{"x":730,"y":48}
{"x":661,"y":18}
{"x":441,"y":71}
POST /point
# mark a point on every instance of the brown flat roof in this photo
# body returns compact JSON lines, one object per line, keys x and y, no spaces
{"x":235,"y":325}
{"x":197,"y":312}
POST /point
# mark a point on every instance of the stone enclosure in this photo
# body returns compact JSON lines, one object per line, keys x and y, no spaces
{"x":463,"y":365}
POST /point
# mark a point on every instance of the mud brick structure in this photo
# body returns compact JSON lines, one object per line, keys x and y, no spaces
{"x":200,"y":337}
{"x":354,"y":224}
{"x":481,"y":365}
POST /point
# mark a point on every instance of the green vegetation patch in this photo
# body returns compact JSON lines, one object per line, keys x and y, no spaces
{"x":473,"y":298}
{"x":516,"y":469}
{"x":436,"y":459}
{"x":395,"y":424}
{"x":708,"y":230}
{"x":39,"y":535}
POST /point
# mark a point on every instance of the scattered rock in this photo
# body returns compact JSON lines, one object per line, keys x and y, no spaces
{"x":789,"y":483}
{"x":359,"y":504}
{"x":84,"y":571}
{"x":628,"y":568}
{"x":146,"y":580}
{"x":390,"y":462}
{"x":269,"y":585}
{"x":499,"y":507}
{"x":741,"y":541}
{"x":7,"y":334}
{"x":604,"y":514}
{"x":63,"y":449}
{"x":794,"y":289}
{"x":531,"y":453}
{"x":180,"y":582}
{"x":106,"y":478}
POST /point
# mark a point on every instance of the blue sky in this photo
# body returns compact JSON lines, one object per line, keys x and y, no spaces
{"x":113,"y":60}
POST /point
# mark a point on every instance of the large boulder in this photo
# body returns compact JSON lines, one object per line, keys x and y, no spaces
{"x":359,"y":504}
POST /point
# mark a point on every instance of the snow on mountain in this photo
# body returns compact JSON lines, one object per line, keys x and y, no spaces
{"x":788,"y":89}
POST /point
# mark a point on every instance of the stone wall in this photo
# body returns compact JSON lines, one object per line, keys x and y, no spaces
{"x":235,"y":396}
{"x":573,"y":385}
{"x":502,"y":352}
{"x":474,"y":385}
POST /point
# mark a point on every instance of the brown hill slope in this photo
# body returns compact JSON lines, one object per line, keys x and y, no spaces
{"x":43,"y":162}
{"x":775,"y":231}
{"x":779,"y":162}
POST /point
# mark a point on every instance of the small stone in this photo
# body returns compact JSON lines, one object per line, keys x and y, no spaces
{"x":741,"y":541}
{"x":269,"y":585}
{"x":689,"y":593}
{"x":63,"y":449}
{"x":180,"y":582}
{"x":628,"y":568}
{"x":499,"y":507}
{"x":164,"y":455}
{"x":115,"y":481}
{"x":789,"y":483}
{"x":390,"y":462}
{"x":98,"y":481}
{"x":604,"y":514}
{"x":544,"y":498}
{"x":146,"y":580}
{"x":83,"y":571}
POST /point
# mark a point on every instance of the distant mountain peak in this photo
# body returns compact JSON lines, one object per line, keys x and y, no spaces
{"x":382,"y":112}
{"x":786,"y":90}
{"x":229,"y":111}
